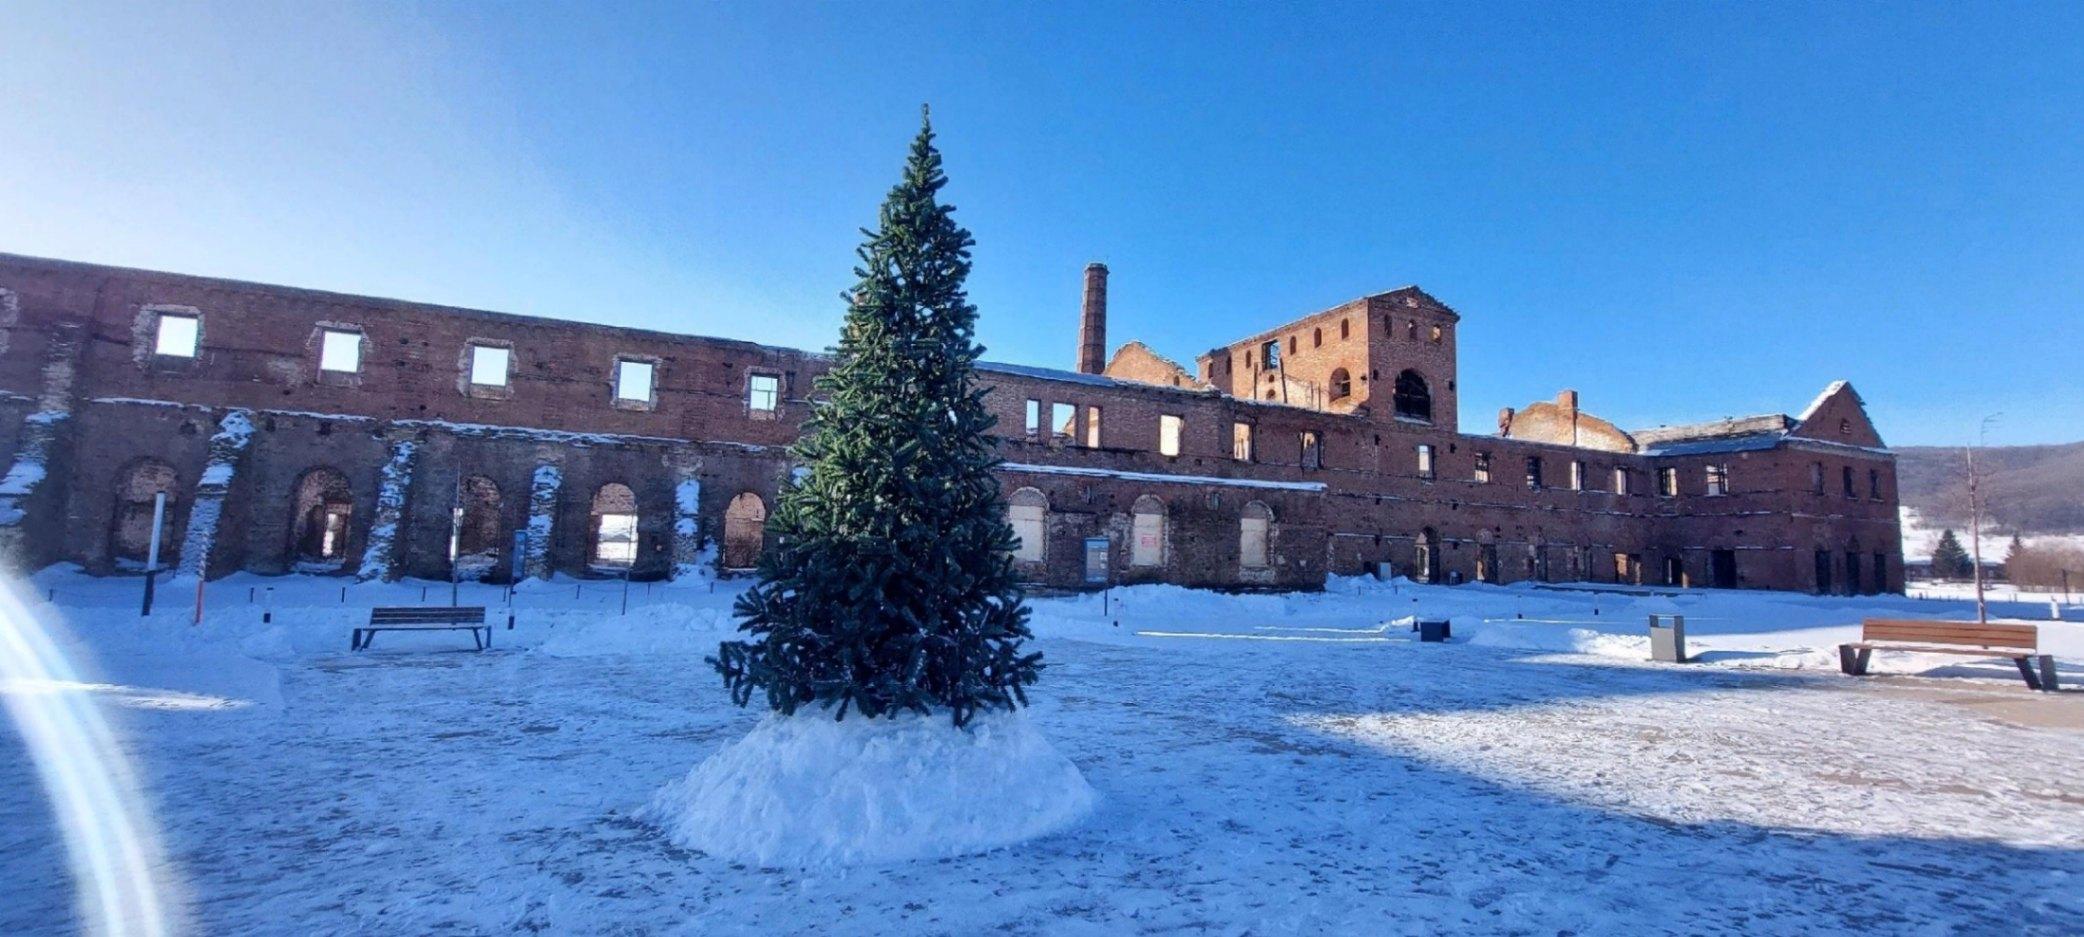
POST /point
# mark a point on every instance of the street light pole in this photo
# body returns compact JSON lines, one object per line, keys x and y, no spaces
{"x":1975,"y":519}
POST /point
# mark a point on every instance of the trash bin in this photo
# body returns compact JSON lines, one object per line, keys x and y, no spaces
{"x":1668,"y":642}
{"x":1433,"y":630}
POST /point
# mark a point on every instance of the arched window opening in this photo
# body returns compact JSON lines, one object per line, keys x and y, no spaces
{"x":745,"y":531}
{"x":1254,"y":523}
{"x":1147,"y":532}
{"x":1426,"y":564}
{"x":1028,"y":512}
{"x":325,"y":505}
{"x":1413,"y":399}
{"x":479,"y":534}
{"x":1345,"y":329}
{"x":130,"y":530}
{"x":1317,"y":337}
{"x":1341,"y":384}
{"x":614,"y":526}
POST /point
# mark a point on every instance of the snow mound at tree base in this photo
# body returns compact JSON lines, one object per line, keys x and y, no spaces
{"x":809,"y":790}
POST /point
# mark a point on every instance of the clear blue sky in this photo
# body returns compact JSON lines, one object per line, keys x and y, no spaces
{"x":1686,"y":211}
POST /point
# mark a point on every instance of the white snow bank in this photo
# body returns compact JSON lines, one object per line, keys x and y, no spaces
{"x":809,"y":790}
{"x":1540,"y":637}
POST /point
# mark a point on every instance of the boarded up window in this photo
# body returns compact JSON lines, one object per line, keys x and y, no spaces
{"x":130,"y":530}
{"x":614,"y":526}
{"x":1147,"y":532}
{"x":1028,"y":511}
{"x":745,"y":530}
{"x":1252,"y":528}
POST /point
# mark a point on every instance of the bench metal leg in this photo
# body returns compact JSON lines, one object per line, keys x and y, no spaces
{"x":2049,"y":681}
{"x":1853,"y":660}
{"x":2033,"y":682}
{"x":355,"y":643}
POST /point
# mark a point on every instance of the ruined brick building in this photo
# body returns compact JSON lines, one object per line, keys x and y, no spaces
{"x":292,"y":429}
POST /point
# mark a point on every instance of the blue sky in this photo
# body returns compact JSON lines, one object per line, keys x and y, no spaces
{"x":1685,"y":211}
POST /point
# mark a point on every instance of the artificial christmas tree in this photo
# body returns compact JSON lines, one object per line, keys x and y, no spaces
{"x":889,"y":586}
{"x":887,"y":590}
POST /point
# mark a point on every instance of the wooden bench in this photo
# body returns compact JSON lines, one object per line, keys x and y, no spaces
{"x":425,"y":618}
{"x":2019,"y":643}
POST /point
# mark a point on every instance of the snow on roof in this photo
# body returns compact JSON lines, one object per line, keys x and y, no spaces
{"x":1817,"y":404}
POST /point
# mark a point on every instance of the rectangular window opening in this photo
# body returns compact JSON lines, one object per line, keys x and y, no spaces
{"x":1312,"y":450}
{"x":1034,"y":417}
{"x":763,"y":393}
{"x":1241,"y":442}
{"x":1169,"y":429}
{"x":340,"y":351}
{"x":1718,"y":480}
{"x":1425,"y":461}
{"x":488,"y":365}
{"x":633,"y":380}
{"x":1092,"y":427}
{"x":177,"y":335}
{"x":1063,"y":421}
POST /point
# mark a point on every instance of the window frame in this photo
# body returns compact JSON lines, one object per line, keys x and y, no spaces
{"x":752,"y":394}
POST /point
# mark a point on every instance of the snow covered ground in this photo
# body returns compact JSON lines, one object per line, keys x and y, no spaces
{"x":1263,"y":764}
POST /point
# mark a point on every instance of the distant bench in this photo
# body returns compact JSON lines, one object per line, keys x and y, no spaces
{"x":425,"y":618}
{"x":2018,"y":643}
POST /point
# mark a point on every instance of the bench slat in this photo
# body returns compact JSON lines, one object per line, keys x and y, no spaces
{"x":1958,"y":651}
{"x":428,"y":615}
{"x":1975,"y":634}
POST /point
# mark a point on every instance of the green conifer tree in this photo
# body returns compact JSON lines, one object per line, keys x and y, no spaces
{"x":888,"y":585}
{"x":1949,"y":561}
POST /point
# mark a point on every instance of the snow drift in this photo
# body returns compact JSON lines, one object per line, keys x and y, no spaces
{"x":809,"y":790}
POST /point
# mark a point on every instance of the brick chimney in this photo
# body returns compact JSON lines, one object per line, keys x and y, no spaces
{"x":1092,"y":325}
{"x":1568,"y":401}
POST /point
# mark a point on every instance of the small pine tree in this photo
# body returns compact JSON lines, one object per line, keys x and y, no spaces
{"x":889,"y":582}
{"x":1949,"y":561}
{"x":2015,"y":550}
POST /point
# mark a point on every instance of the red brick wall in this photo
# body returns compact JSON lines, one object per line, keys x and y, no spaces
{"x":1366,"y":504}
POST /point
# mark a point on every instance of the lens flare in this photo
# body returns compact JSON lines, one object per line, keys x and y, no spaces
{"x":117,"y":866}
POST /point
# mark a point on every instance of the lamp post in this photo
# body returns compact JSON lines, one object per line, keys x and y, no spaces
{"x":1975,"y":519}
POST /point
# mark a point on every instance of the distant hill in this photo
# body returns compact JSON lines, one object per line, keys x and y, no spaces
{"x":2027,"y":489}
